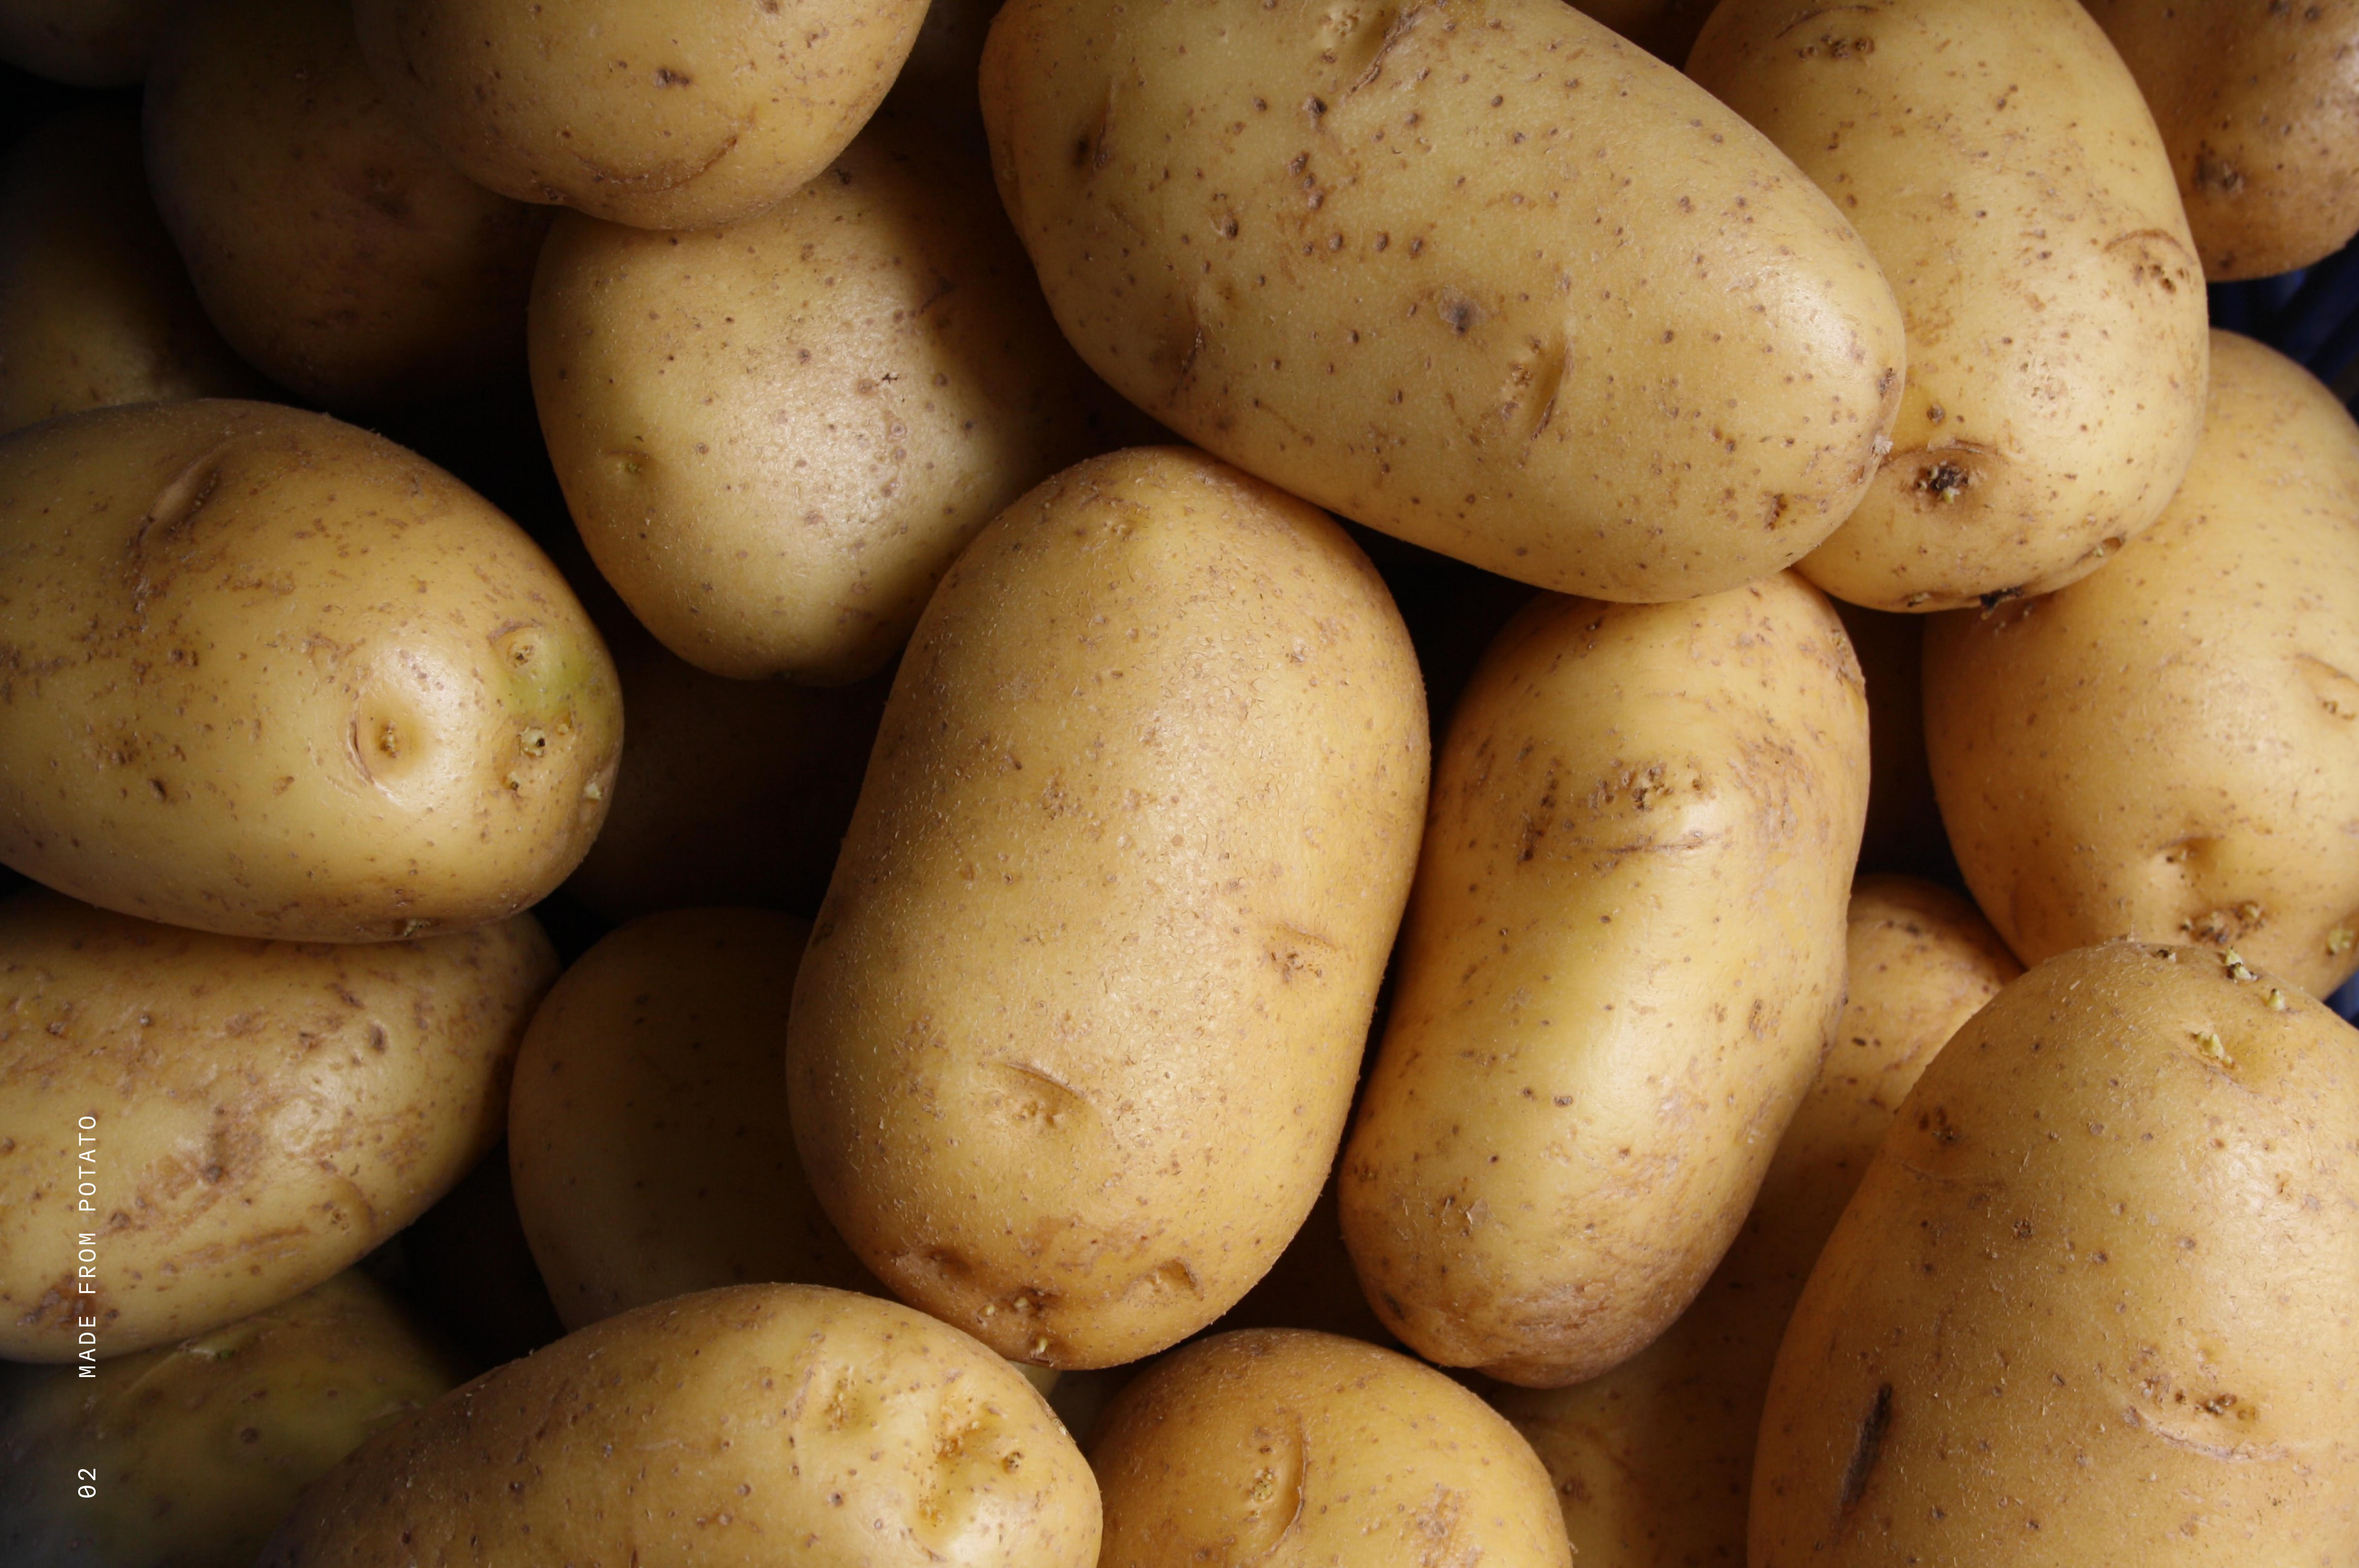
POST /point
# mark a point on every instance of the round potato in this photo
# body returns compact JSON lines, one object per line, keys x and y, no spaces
{"x":1998,"y":159}
{"x":194,"y":1127}
{"x":1302,"y":1450}
{"x":86,"y":43}
{"x":752,"y":1425}
{"x":2169,"y":749}
{"x":1494,"y":280}
{"x":679,"y":116}
{"x":269,"y":675}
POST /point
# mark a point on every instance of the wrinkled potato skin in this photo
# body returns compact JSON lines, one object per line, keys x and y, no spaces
{"x":677,"y":116}
{"x":1298,"y":1450}
{"x":2169,"y":750}
{"x":2259,"y":108}
{"x":1999,"y":161}
{"x":794,"y":1424}
{"x":1622,"y":964}
{"x":201,"y":1447}
{"x":84,"y":43}
{"x":266,"y":1112}
{"x":95,"y":308}
{"x":1076,"y":1034}
{"x":2092,"y":1302}
{"x":269,"y":675}
{"x":1651,"y":1462}
{"x":1481,"y":274}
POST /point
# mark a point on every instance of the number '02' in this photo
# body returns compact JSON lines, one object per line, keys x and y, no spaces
{"x":87,"y":1478}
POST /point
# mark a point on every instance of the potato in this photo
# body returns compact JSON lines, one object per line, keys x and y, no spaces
{"x":86,"y":43}
{"x":1623,"y":962}
{"x":1295,"y":1449}
{"x":269,"y":675}
{"x":2258,"y":109}
{"x":679,"y":116}
{"x":1075,"y":1037}
{"x":1998,"y":159}
{"x":95,"y":308}
{"x":2171,"y":749}
{"x":1652,"y":1461}
{"x":2092,"y":1302}
{"x":1311,"y":1285}
{"x":199,"y":1448}
{"x":195,"y":1128}
{"x":752,"y":1425}
{"x":1492,"y":280}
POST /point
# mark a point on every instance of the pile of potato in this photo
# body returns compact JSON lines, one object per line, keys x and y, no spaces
{"x":1175,"y":781}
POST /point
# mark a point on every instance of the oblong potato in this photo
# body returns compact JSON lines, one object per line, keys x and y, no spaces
{"x":269,"y":675}
{"x":1077,"y":1030}
{"x":195,"y":1128}
{"x":1484,"y":277}
{"x":1623,"y":962}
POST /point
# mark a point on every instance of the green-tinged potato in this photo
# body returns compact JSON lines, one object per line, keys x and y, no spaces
{"x":1299,"y":1450}
{"x":741,"y":1428}
{"x":196,"y":1451}
{"x":2260,"y":111}
{"x":1998,"y":159}
{"x":678,"y":116}
{"x":1481,"y":274}
{"x":194,"y":1127}
{"x":1903,"y":830}
{"x":1076,"y":1034}
{"x":85,"y":43}
{"x":1664,"y":28}
{"x":2092,"y":1301}
{"x":332,"y":246}
{"x":1623,"y":962}
{"x":471,"y":1271}
{"x":269,"y":675}
{"x":95,"y":308}
{"x":2169,"y":749}
{"x":1652,"y":1461}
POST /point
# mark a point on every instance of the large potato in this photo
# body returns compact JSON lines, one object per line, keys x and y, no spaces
{"x":2169,"y":749}
{"x":1485,"y":277}
{"x":741,"y":1428}
{"x":269,"y":675}
{"x":2092,"y":1301}
{"x":194,"y":1127}
{"x":1998,"y":159}
{"x":1623,"y":962}
{"x":1076,"y":1033}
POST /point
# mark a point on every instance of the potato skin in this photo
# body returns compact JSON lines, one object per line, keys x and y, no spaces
{"x":1999,"y":161}
{"x":1075,"y":1037}
{"x":2092,"y":1299}
{"x":266,"y":1113}
{"x":1481,"y":274}
{"x":269,"y":675}
{"x":2169,"y":749}
{"x":797,"y":1424}
{"x":1294,"y":1449}
{"x":1622,"y":964}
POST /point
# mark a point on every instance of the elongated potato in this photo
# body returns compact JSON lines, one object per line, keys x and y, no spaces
{"x":1077,"y":1030}
{"x":1623,"y":962}
{"x":1484,"y":276}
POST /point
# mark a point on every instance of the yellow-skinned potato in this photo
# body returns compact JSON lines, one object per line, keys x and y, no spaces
{"x":270,"y":675}
{"x":2169,"y":749}
{"x":200,"y":1127}
{"x":740,"y":1428}
{"x":1622,"y":964}
{"x":87,"y":43}
{"x":1299,"y":1450}
{"x":1652,"y":1461}
{"x":1998,"y":159}
{"x":679,"y":116}
{"x":1076,"y":1033}
{"x":1484,"y":277}
{"x":2092,"y":1302}
{"x":201,"y":1447}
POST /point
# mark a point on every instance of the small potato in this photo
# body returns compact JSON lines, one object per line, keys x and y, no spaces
{"x":1298,"y":1450}
{"x":269,"y":675}
{"x":2169,"y":749}
{"x":756,"y":1425}
{"x":195,"y":1128}
{"x":85,"y":43}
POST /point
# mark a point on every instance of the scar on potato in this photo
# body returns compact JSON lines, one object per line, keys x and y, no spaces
{"x":1866,"y":1449}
